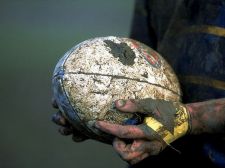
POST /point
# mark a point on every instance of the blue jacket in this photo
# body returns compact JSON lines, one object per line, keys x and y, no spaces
{"x":190,"y":35}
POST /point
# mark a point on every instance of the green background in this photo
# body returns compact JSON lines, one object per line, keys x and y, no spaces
{"x":33,"y":36}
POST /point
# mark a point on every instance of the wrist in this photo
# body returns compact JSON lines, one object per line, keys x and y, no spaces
{"x":194,"y":123}
{"x":207,"y":117}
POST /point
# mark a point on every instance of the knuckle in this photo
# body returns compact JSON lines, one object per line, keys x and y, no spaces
{"x":125,"y":157}
{"x":55,"y":118}
{"x":155,"y":148}
{"x":78,"y":138}
{"x":124,"y":133}
{"x":134,"y":161}
{"x":65,"y":131}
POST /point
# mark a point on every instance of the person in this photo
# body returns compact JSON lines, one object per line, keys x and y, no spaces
{"x":190,"y":35}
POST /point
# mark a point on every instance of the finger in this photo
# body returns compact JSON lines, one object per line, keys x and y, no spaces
{"x":151,"y":147}
{"x":127,"y":105}
{"x":154,"y":147}
{"x":136,"y":105}
{"x":133,"y":150}
{"x":125,"y":150}
{"x":54,"y":103}
{"x":79,"y":137}
{"x":138,"y":145}
{"x":121,"y":131}
{"x":139,"y":158}
{"x":137,"y":148}
{"x":150,"y":134}
{"x":65,"y":131}
{"x":119,"y":146}
{"x":58,"y":119}
{"x":145,"y":148}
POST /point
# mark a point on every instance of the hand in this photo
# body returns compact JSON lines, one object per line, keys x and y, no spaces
{"x":164,"y":122}
{"x":65,"y":126}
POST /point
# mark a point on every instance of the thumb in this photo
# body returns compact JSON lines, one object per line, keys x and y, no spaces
{"x":136,"y":105}
{"x":126,"y":105}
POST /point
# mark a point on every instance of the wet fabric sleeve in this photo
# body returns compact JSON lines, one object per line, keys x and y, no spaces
{"x":141,"y":29}
{"x":194,"y":45}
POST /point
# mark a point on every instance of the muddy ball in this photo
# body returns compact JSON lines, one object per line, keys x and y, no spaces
{"x":93,"y":74}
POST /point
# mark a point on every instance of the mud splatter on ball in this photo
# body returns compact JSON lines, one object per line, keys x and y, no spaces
{"x":95,"y":73}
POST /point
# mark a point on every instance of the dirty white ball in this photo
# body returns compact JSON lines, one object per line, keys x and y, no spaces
{"x":95,"y":73}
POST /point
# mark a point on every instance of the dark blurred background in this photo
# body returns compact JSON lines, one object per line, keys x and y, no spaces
{"x":33,"y":36}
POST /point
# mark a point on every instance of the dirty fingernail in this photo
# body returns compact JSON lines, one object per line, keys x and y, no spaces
{"x":121,"y":103}
{"x":62,"y":120}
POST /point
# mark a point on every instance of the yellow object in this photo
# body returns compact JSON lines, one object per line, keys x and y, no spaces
{"x":181,"y":126}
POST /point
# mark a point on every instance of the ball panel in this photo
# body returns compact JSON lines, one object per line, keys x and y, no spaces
{"x":88,"y":93}
{"x":70,"y":112}
{"x":96,"y":57}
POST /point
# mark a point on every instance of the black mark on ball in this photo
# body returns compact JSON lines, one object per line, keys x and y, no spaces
{"x":145,"y":75}
{"x":121,"y":51}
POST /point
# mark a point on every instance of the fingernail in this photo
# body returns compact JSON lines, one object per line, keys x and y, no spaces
{"x":121,"y":103}
{"x":62,"y":120}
